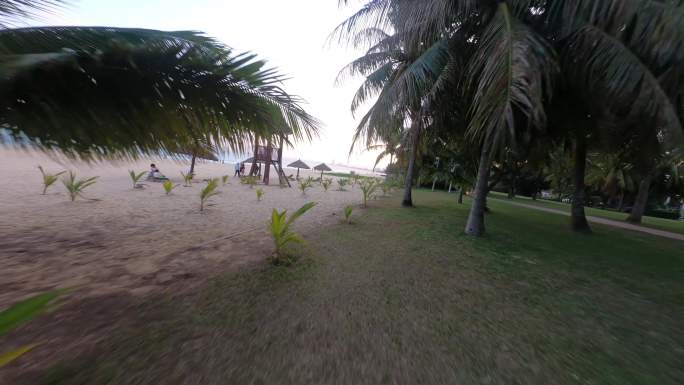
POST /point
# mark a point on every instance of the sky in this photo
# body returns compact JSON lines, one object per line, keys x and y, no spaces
{"x":291,"y":35}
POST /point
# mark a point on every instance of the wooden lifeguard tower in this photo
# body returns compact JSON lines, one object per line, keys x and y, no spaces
{"x":270,"y":156}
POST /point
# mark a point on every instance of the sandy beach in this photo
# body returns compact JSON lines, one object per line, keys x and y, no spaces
{"x":136,"y":240}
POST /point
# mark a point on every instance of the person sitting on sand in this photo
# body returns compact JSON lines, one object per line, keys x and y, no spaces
{"x":155,"y":174}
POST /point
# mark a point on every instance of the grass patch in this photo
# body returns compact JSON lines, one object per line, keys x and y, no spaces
{"x":652,"y":222}
{"x":404,"y":297}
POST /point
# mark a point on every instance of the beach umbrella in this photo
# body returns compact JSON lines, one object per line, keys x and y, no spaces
{"x":322,"y":167}
{"x":298,"y":164}
{"x":198,"y":150}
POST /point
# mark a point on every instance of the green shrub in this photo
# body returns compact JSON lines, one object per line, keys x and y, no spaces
{"x":75,"y":187}
{"x":208,"y":191}
{"x":279,"y":226}
{"x":326,"y":183}
{"x":136,"y":177}
{"x":169,"y":186}
{"x":259,"y":193}
{"x":224,"y":179}
{"x":49,"y":179}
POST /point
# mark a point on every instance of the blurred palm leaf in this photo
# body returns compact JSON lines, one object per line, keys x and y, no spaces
{"x":103,"y":92}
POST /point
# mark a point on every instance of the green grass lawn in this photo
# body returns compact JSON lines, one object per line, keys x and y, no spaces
{"x":403,"y":297}
{"x":652,"y":222}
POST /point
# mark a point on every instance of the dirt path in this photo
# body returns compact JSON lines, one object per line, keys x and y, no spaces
{"x":604,"y":221}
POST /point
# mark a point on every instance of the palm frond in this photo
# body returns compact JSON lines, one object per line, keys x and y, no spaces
{"x":603,"y":67}
{"x":13,"y":11}
{"x":511,"y":72}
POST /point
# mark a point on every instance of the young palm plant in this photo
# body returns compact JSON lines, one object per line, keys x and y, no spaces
{"x":75,"y":186}
{"x":208,"y":191}
{"x":169,"y":186}
{"x":249,"y":180}
{"x":280,"y":228}
{"x":341,"y":183}
{"x":49,"y":179}
{"x":305,"y":184}
{"x":259,"y":194}
{"x":326,"y":184}
{"x":347,"y":214}
{"x":368,"y":187}
{"x":224,"y":179}
{"x":187,"y":179}
{"x":386,"y":188}
{"x":136,"y":178}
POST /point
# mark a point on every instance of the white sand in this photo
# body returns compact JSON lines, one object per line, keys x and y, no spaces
{"x":135,"y":240}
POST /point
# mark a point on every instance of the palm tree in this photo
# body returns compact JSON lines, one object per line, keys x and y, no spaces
{"x":108,"y":92}
{"x":401,"y":75}
{"x":609,"y":54}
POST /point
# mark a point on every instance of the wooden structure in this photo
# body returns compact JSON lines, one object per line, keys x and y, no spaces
{"x":269,"y":156}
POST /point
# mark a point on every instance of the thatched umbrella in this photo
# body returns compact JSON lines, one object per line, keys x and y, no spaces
{"x":199,"y":150}
{"x":322,"y":167}
{"x":298,"y":164}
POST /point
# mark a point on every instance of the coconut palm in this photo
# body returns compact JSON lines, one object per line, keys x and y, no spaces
{"x":605,"y":57}
{"x":401,"y":75}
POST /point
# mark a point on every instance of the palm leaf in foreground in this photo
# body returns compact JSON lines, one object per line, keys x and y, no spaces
{"x":113,"y":92}
{"x":19,"y":314}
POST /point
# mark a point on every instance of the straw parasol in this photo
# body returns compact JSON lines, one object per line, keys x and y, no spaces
{"x":322,"y":167}
{"x":198,"y":150}
{"x":299,"y":164}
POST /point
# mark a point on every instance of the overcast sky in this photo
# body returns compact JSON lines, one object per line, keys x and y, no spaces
{"x":290,"y":34}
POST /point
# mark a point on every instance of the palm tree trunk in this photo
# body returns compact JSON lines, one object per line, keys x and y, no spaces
{"x":579,"y":219}
{"x":460,"y":195}
{"x":434,"y":181}
{"x":267,"y":165}
{"x":622,"y":201}
{"x":253,"y":167}
{"x":192,"y":164}
{"x":640,"y":201}
{"x":415,"y":141}
{"x":476,"y":225}
{"x":449,"y":187}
